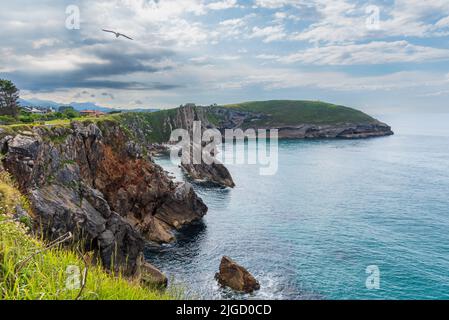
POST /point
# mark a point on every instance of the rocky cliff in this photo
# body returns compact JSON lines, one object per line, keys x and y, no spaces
{"x":151,"y":128}
{"x":93,"y":180}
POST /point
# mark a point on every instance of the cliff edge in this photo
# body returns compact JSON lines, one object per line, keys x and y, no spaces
{"x":93,"y":180}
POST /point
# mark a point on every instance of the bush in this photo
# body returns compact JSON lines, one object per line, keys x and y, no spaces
{"x":5,"y":120}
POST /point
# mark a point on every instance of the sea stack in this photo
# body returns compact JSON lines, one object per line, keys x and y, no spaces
{"x":236,"y":277}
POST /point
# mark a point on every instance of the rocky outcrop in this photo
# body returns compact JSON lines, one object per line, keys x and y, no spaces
{"x":236,"y":277}
{"x":214,"y":173}
{"x":151,"y":277}
{"x":92,"y":180}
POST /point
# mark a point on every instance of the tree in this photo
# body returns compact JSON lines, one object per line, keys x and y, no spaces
{"x":9,"y":96}
{"x":63,"y":109}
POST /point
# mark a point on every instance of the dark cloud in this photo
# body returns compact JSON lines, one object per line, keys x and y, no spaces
{"x":51,"y":82}
{"x":107,"y":94}
{"x":95,"y":75}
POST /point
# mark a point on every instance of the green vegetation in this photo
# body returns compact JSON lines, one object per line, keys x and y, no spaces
{"x":154,"y":125}
{"x":9,"y":96}
{"x":28,"y":117}
{"x":19,"y":127}
{"x":213,"y":118}
{"x":32,"y":270}
{"x":290,"y":112}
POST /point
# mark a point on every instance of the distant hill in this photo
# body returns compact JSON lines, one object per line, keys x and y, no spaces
{"x":293,"y":120}
{"x":292,"y":112}
{"x":77,"y":106}
{"x":39,"y":103}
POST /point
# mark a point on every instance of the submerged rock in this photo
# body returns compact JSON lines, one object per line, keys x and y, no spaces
{"x":236,"y":277}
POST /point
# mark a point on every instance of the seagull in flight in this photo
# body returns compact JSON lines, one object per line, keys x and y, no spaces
{"x":118,"y":34}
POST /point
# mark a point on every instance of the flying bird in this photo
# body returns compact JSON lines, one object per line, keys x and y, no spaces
{"x":118,"y":34}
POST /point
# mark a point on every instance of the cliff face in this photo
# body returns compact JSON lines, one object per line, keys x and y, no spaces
{"x":94,"y":181}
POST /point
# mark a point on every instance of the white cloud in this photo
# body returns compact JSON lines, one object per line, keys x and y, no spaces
{"x":344,"y":21}
{"x":47,"y":42}
{"x":269,"y":34}
{"x":268,"y":57}
{"x":275,"y":4}
{"x":379,"y":52}
{"x":278,"y":78}
{"x":221,"y":5}
{"x":442,"y":23}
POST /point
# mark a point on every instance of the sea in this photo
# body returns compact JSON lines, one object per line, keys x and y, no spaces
{"x":341,"y":219}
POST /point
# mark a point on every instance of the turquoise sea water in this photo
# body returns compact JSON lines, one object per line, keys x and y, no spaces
{"x":334,"y":208}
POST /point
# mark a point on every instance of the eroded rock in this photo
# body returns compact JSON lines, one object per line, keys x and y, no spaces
{"x":236,"y":277}
{"x":152,"y":277}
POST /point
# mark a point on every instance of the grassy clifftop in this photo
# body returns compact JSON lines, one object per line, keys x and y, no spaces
{"x":31,"y":270}
{"x":293,"y":112}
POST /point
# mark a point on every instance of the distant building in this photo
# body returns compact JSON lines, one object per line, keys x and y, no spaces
{"x":92,"y":113}
{"x":38,"y":110}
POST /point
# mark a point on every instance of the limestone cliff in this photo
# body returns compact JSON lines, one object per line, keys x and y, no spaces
{"x":93,"y":180}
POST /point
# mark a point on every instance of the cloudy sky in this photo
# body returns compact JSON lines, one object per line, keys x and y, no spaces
{"x":380,"y":55}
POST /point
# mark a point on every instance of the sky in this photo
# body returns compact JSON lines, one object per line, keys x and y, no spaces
{"x":381,"y":56}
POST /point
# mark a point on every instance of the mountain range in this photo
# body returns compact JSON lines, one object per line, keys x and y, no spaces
{"x":78,"y":106}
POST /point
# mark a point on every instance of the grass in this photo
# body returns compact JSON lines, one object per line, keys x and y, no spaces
{"x":292,"y":112}
{"x":154,"y":124}
{"x":56,"y":122}
{"x":47,"y":276}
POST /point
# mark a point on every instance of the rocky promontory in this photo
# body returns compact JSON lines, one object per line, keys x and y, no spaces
{"x":93,"y":180}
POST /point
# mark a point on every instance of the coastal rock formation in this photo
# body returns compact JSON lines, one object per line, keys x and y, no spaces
{"x":151,"y":276}
{"x":215,"y":173}
{"x":347,"y":131}
{"x":236,"y":277}
{"x":94,"y":181}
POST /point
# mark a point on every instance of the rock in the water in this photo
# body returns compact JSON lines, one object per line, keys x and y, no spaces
{"x":213,"y":173}
{"x":152,"y":276}
{"x":236,"y":277}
